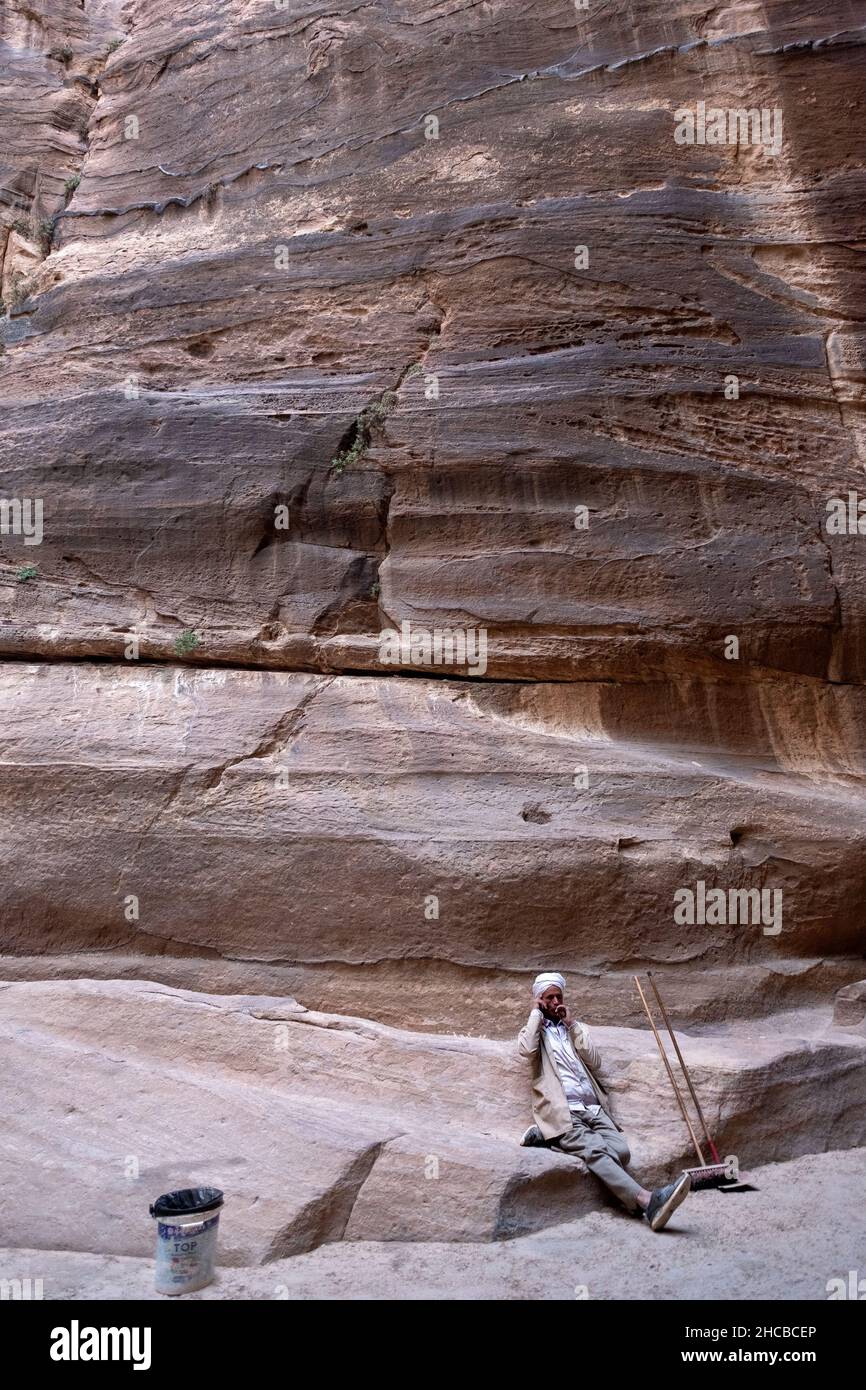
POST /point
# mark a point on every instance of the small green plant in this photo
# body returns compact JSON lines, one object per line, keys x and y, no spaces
{"x":19,"y":289}
{"x":379,"y":409}
{"x":114,"y":45}
{"x":63,"y":55}
{"x":71,"y":184}
{"x":357,"y":438}
{"x":375,"y":589}
{"x":351,"y":454}
{"x":41,"y":232}
{"x":27,"y":572}
{"x":45,"y":234}
{"x":186,"y":642}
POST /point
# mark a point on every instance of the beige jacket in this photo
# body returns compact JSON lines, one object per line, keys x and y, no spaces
{"x":549,"y":1106}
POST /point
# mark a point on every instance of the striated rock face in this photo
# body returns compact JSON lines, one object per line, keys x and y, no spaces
{"x":422,"y":845}
{"x":322,"y":320}
{"x":323,"y":1128}
{"x":266,"y":262}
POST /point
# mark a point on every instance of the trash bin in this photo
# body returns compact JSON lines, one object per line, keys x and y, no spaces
{"x":187,"y":1223}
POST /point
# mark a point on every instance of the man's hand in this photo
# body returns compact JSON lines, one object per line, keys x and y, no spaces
{"x":552,"y":1005}
{"x":559,"y":1013}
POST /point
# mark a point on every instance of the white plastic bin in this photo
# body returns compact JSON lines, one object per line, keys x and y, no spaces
{"x":187,"y":1225}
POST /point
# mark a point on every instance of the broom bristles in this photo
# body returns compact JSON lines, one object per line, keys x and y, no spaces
{"x":710,"y":1176}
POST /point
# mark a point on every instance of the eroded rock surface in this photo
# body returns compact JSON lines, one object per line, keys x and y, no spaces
{"x":323,"y":1127}
{"x":283,"y":820}
{"x":326,"y":319}
{"x":263,"y":245}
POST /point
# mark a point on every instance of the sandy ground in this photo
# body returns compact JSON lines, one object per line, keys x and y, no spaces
{"x":805,"y":1226}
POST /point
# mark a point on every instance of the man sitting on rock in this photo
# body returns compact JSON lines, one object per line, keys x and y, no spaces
{"x":569,"y":1105}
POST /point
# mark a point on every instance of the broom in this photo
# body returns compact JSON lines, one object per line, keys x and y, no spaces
{"x":715,"y":1174}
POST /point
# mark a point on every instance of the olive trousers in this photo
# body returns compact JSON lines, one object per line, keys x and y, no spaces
{"x":604,"y":1149}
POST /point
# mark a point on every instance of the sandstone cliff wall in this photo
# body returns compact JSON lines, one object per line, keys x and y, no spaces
{"x":240,"y":277}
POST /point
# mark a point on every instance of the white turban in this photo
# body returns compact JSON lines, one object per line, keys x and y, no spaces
{"x":544,"y":981}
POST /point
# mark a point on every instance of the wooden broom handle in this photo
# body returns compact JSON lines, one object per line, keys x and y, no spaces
{"x":673,"y":1080}
{"x":681,"y":1060}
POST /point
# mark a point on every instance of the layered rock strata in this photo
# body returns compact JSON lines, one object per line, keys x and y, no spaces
{"x":324,"y":321}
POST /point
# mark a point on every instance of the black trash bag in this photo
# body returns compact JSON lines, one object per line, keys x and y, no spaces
{"x":186,"y":1201}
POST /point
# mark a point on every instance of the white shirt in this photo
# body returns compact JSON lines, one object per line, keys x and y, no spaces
{"x":575,"y":1082}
